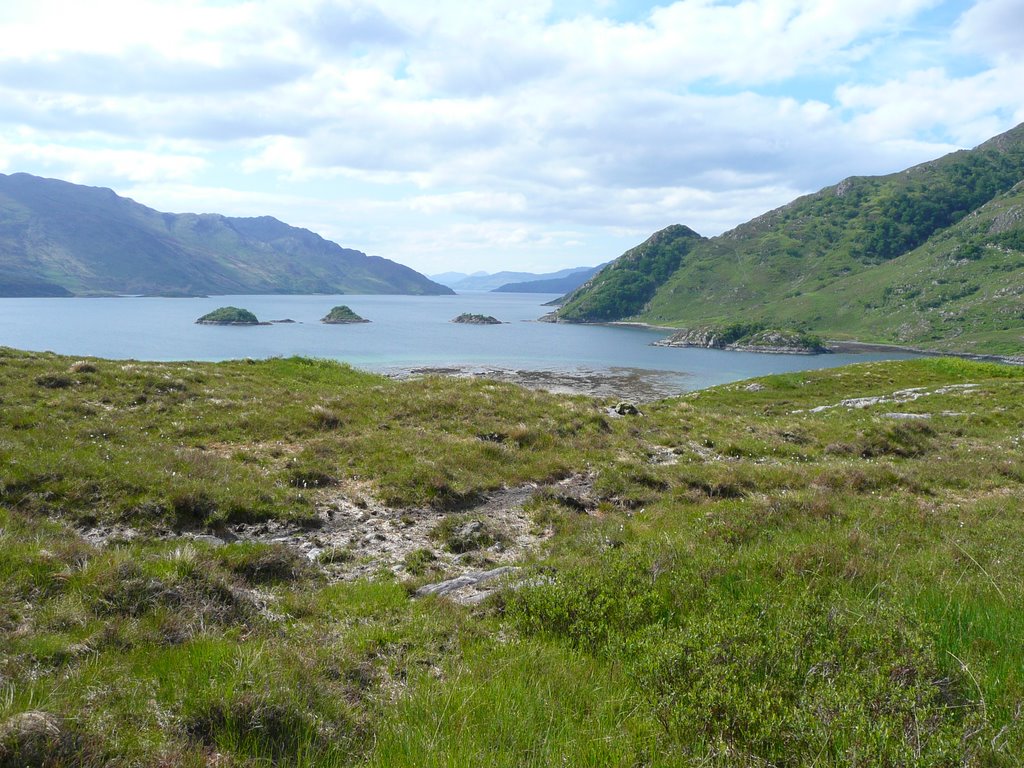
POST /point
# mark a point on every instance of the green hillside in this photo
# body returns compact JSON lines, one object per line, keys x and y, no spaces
{"x":628,"y":283}
{"x":58,"y":239}
{"x":893,"y":258}
{"x":223,"y":564}
{"x":962,"y":290}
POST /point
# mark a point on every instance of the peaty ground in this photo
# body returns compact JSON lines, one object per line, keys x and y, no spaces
{"x":821,"y":568}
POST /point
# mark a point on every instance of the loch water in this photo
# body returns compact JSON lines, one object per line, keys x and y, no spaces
{"x":405,"y":333}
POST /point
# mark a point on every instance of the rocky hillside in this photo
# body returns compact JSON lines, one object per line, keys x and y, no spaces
{"x":932,"y":256}
{"x":60,"y":239}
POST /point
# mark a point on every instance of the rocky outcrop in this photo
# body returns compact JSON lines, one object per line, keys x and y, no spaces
{"x":468,"y":318}
{"x":342,"y":315}
{"x":746,"y":339}
{"x":229,"y":316}
{"x":469,"y":588}
{"x":626,"y":408}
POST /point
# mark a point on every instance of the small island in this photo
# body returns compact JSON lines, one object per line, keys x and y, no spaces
{"x":342,"y":315}
{"x":229,"y":316}
{"x":469,"y":318}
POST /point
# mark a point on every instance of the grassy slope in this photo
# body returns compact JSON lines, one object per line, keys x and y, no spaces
{"x":843,"y":246}
{"x":962,"y":290}
{"x":828,"y":588}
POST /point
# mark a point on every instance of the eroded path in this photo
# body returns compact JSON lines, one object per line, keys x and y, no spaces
{"x":364,"y":538}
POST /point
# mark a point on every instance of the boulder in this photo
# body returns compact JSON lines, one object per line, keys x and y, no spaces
{"x":469,"y":588}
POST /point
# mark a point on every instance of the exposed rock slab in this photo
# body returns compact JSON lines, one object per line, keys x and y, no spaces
{"x":469,"y":588}
{"x":355,"y":536}
{"x":637,"y":384}
{"x":908,"y":395}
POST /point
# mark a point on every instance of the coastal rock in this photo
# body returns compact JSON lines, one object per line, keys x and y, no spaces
{"x":746,"y":338}
{"x":342,"y":315}
{"x":229,"y":316}
{"x":469,"y":318}
{"x":626,"y":408}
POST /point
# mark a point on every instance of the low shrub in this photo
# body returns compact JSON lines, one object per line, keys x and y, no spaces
{"x":264,"y":563}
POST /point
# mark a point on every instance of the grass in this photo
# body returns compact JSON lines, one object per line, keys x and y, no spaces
{"x":753,"y":580}
{"x":201,"y":445}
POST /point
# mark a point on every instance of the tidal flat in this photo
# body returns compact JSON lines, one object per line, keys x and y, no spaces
{"x":222,"y":564}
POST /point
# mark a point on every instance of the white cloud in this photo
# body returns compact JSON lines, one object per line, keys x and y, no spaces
{"x":98,"y":165}
{"x":970,"y":109}
{"x":499,"y":203}
{"x":452,"y":129}
{"x":992,"y":28}
{"x":746,"y":43}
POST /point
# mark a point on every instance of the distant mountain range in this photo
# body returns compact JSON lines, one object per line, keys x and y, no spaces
{"x":931,"y":257}
{"x":552,"y":284}
{"x":449,"y":278}
{"x":510,"y":281}
{"x":61,"y":239}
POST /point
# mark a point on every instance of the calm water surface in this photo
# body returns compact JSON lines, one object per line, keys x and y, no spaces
{"x":406,"y":332}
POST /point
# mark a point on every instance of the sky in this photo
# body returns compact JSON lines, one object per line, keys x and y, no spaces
{"x":497,"y":134}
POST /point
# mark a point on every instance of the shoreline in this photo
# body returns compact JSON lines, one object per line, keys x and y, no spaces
{"x":636,"y":324}
{"x":642,"y":385}
{"x":856,"y":347}
{"x":851,"y":346}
